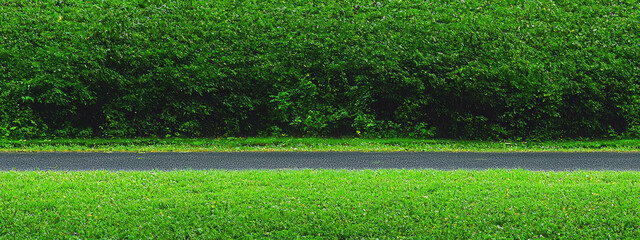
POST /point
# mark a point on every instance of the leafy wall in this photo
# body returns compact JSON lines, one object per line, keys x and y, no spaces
{"x":477,"y":70}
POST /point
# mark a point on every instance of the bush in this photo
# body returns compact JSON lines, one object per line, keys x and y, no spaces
{"x":448,"y":69}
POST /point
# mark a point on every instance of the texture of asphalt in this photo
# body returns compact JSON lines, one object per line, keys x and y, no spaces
{"x":317,"y":160}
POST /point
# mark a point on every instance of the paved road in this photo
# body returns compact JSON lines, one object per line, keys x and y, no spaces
{"x":331,"y":160}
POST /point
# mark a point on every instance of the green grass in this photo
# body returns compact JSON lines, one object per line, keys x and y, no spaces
{"x":330,"y":204}
{"x":310,"y":144}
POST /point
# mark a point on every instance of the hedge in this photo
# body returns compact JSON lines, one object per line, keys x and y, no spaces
{"x":445,"y":69}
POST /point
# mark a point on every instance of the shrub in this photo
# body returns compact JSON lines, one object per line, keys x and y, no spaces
{"x":474,"y":70}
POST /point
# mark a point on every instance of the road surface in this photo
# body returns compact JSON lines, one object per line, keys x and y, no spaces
{"x":318,"y":160}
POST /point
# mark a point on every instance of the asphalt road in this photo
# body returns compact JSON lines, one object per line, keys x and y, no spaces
{"x":318,"y":160}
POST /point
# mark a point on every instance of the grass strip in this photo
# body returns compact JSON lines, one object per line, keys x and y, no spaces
{"x":311,"y":144}
{"x":330,"y":204}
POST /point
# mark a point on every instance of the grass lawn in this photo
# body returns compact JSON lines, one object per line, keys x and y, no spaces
{"x":310,"y":144}
{"x":330,"y":204}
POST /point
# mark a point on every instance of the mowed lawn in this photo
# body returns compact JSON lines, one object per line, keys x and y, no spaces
{"x":330,"y":204}
{"x":293,"y":144}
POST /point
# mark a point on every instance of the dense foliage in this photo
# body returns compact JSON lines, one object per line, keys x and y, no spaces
{"x":453,"y":69}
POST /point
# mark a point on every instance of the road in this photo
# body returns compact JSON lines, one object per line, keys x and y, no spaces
{"x":317,"y":160}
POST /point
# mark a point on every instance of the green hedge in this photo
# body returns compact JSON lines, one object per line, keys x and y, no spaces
{"x":480,"y":69}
